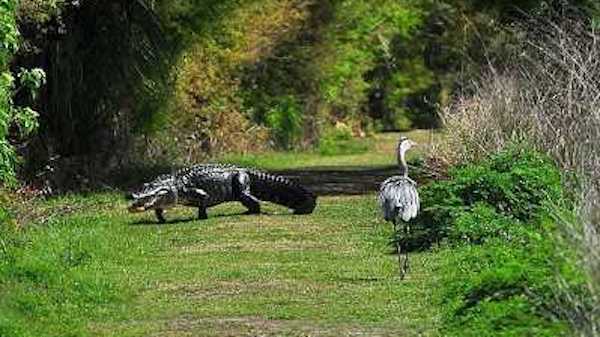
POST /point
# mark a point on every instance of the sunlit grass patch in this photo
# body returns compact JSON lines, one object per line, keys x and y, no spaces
{"x":99,"y":270}
{"x":377,"y":150}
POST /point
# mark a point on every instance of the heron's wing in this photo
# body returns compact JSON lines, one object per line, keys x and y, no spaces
{"x":399,"y":198}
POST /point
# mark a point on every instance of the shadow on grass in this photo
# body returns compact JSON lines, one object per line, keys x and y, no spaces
{"x":151,"y":222}
{"x":362,"y":280}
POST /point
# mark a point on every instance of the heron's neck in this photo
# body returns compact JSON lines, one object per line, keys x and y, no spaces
{"x":402,"y":163}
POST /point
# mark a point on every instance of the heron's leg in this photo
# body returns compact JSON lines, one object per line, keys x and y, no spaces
{"x":402,"y":258}
{"x":159,"y":212}
{"x":406,"y":266}
{"x":398,"y":251}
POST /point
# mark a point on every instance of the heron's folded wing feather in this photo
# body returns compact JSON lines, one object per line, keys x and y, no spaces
{"x":398,"y":197}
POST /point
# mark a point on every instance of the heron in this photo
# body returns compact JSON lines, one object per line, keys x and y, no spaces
{"x":399,"y":200}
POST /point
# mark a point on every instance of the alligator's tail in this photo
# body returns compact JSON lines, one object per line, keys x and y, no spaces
{"x":283,"y":191}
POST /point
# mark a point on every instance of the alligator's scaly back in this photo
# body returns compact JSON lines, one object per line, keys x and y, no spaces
{"x":282,"y":191}
{"x":207,"y":185}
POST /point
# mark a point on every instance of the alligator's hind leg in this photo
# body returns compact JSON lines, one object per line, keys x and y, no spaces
{"x":250,"y":202}
{"x":159,"y":212}
{"x":242,"y":187}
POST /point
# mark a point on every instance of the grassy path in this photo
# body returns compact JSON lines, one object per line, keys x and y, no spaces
{"x":93,"y":268}
{"x":327,"y":274}
{"x":381,"y":152}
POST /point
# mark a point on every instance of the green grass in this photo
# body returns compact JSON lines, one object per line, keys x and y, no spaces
{"x":101,"y":271}
{"x":92,"y":269}
{"x":380,"y":151}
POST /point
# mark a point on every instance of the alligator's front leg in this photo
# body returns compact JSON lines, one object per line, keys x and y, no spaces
{"x":202,"y":213}
{"x":242,"y":181}
{"x":159,"y":212}
{"x":199,"y":198}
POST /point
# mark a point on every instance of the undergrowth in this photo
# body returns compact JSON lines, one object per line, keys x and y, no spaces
{"x":497,"y":244}
{"x":57,"y":276}
{"x":340,"y":140}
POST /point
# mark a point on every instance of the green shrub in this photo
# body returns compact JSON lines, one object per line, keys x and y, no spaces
{"x":24,"y":119}
{"x":482,"y":223}
{"x":515,"y":183}
{"x":285,"y":121}
{"x":339,"y":140}
{"x":499,"y":258}
{"x":359,"y":53}
{"x":502,"y":287}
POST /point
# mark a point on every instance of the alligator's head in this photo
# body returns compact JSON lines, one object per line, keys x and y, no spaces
{"x":160,"y":193}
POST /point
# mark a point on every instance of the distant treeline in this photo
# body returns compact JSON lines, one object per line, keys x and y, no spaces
{"x":156,"y":81}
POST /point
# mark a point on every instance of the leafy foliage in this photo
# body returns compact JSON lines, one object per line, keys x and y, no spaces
{"x":364,"y":65}
{"x":502,"y":287}
{"x":499,"y":254}
{"x":285,"y":121}
{"x":22,"y":118}
{"x":340,"y":140}
{"x":515,"y":183}
{"x":291,"y":69}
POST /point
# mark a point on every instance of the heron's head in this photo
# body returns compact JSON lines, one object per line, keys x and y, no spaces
{"x":405,"y":144}
{"x":153,"y":195}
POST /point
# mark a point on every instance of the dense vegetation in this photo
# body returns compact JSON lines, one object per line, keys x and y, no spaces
{"x":82,"y":266}
{"x":499,"y":246}
{"x":167,"y":82}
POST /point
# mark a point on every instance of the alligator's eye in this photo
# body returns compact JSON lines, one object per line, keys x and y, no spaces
{"x":162,"y":192}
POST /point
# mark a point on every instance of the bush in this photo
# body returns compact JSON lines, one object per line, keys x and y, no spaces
{"x":23,"y":119}
{"x":547,"y":95}
{"x":499,"y":256}
{"x":507,"y":285}
{"x":511,"y":186}
{"x":482,"y":224}
{"x":285,"y":121}
{"x":339,"y":140}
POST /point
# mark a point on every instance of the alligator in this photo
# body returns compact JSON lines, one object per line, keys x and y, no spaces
{"x":207,"y":185}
